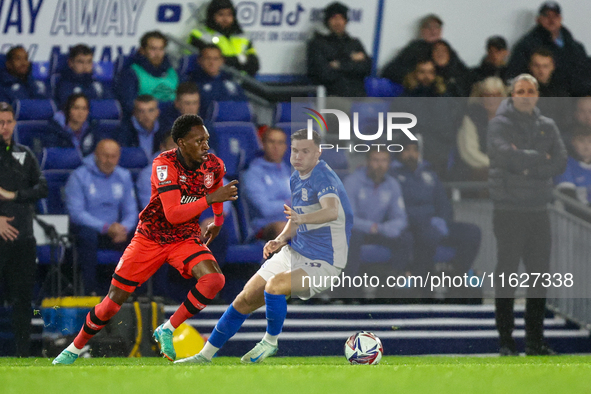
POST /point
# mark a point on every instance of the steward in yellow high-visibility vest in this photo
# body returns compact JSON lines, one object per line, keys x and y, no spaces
{"x":222,"y":29}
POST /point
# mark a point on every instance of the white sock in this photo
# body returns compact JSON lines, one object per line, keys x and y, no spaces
{"x":209,"y":350}
{"x":272,"y":339}
{"x":168,"y":325}
{"x":73,"y":349}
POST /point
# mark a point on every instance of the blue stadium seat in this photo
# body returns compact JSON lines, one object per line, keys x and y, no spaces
{"x":40,"y":71}
{"x":237,"y":144}
{"x":105,"y":110}
{"x":33,"y":117}
{"x":31,"y":110}
{"x":133,"y":158}
{"x":286,"y":112}
{"x":187,"y":65}
{"x":230,"y":111}
{"x":104,"y":72}
{"x":108,"y":128}
{"x":238,"y":252}
{"x":382,"y":87}
{"x":60,"y":159}
{"x":58,"y":62}
{"x":54,"y":204}
{"x":31,"y":134}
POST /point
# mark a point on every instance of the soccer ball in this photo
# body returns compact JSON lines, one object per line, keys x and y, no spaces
{"x":363,"y":348}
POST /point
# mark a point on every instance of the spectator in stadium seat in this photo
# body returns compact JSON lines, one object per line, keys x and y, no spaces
{"x":266,"y":186}
{"x":541,"y":66}
{"x":423,"y":81}
{"x":455,"y":74}
{"x":78,"y":78}
{"x":430,"y":214}
{"x":16,"y":79}
{"x":494,"y":64}
{"x":221,"y":29}
{"x":526,"y":152}
{"x":485,"y":99}
{"x":430,"y":31}
{"x":150,"y":73}
{"x":144,"y":128}
{"x":214,"y":84}
{"x":187,"y":102}
{"x":380,"y":217}
{"x":337,"y":60}
{"x":576,"y":180}
{"x":72,"y":128}
{"x":101,"y":202}
{"x":572,"y":65}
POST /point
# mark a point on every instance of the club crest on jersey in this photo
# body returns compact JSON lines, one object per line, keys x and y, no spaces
{"x":162,"y":172}
{"x":208,"y":179}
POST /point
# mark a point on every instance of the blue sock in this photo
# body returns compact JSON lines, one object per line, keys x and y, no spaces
{"x":276,"y":312}
{"x":227,"y":326}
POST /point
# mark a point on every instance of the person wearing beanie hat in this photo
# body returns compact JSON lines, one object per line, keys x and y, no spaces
{"x":222,"y":29}
{"x":572,"y":65}
{"x":494,"y":64}
{"x":333,"y":9}
{"x":404,"y":62}
{"x":337,"y":60}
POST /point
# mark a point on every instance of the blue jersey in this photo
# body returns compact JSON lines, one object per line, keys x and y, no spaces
{"x":327,"y":241}
{"x":577,"y":175}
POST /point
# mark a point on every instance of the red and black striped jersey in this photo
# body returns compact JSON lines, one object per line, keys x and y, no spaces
{"x":170,"y":173}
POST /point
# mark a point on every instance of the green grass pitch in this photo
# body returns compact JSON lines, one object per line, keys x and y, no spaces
{"x":559,"y":374}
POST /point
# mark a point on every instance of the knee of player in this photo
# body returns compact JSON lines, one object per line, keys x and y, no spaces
{"x":215,"y":282}
{"x":277,"y":285}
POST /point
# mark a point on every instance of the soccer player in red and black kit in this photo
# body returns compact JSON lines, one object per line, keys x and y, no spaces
{"x":185,"y":181}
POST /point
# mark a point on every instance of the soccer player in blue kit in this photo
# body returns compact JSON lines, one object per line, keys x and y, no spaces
{"x":319,"y":226}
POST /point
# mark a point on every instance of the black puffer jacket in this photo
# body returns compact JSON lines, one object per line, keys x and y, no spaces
{"x":19,"y":172}
{"x":520,"y":175}
{"x":572,"y":64}
{"x":347,"y":80}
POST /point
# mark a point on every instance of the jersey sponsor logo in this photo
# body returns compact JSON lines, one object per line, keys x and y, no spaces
{"x":188,"y":199}
{"x":162,"y":172}
{"x":208,"y":180}
{"x":164,"y":183}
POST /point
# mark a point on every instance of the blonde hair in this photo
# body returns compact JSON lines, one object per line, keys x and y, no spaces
{"x":490,"y":84}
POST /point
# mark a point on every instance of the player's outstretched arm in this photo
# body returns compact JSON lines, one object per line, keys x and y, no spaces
{"x":279,"y":242}
{"x":228,"y":192}
{"x":328,"y":213}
